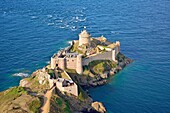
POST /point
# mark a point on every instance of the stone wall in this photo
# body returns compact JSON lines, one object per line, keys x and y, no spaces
{"x":73,"y":89}
{"x":71,"y":63}
{"x":109,"y":55}
{"x":79,"y":65}
{"x":54,"y":61}
{"x":62,"y":63}
{"x":117,"y":50}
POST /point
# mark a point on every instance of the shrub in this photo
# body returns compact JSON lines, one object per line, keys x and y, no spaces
{"x":35,"y":105}
{"x":82,"y":94}
{"x":67,"y":108}
{"x":59,"y":101}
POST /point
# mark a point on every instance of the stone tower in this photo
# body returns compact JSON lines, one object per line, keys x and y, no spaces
{"x":79,"y":66}
{"x":118,"y":45}
{"x":61,"y":63}
{"x":53,"y":63}
{"x":113,"y":55}
{"x":84,"y":38}
{"x":117,"y":48}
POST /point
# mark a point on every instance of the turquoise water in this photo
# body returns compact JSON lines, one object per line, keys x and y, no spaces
{"x":32,"y":30}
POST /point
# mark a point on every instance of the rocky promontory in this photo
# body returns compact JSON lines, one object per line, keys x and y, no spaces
{"x":28,"y":97}
{"x":62,"y":86}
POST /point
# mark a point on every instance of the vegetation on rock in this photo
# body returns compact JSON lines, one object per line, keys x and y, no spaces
{"x":100,"y":66}
{"x":59,"y":105}
{"x":35,"y":105}
{"x":17,"y":99}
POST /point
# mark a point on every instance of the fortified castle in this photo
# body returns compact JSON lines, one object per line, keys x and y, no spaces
{"x":80,"y":53}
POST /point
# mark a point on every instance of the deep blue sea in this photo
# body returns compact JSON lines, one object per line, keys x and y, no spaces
{"x":32,"y":30}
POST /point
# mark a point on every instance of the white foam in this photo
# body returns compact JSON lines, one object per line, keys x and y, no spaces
{"x":48,"y":62}
{"x":61,"y":27}
{"x":112,"y":32}
{"x":34,"y":17}
{"x":21,"y":74}
{"x":50,"y":24}
{"x":83,"y":19}
{"x":69,"y":42}
{"x":49,"y":16}
{"x":73,"y":28}
{"x":67,"y":25}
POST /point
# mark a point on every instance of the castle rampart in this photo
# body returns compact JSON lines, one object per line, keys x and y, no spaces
{"x":72,"y":60}
{"x":79,"y":67}
{"x":62,"y":63}
{"x":92,"y":49}
{"x":109,"y":55}
{"x":71,"y":63}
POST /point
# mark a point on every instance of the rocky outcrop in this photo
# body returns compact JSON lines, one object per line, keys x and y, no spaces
{"x":42,"y":78}
{"x":95,"y":83}
{"x":99,"y":107}
{"x":24,"y":83}
{"x":105,"y":74}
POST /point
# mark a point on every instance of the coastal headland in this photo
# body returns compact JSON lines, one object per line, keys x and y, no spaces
{"x":62,"y":85}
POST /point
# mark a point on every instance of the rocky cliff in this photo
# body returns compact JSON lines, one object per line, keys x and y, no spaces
{"x":29,"y":96}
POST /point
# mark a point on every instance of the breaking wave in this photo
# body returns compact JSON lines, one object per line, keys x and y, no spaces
{"x":21,"y":74}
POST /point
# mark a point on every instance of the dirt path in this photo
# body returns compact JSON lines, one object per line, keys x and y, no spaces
{"x":46,"y":107}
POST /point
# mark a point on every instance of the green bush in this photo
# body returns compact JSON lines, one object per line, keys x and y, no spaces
{"x":35,"y":105}
{"x":59,"y":101}
{"x":100,"y":66}
{"x":12,"y":94}
{"x":82,"y":94}
{"x":67,"y":108}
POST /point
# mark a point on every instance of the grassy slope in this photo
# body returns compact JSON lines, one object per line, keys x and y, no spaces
{"x":82,"y":94}
{"x":34,"y":85}
{"x":59,"y":105}
{"x":16,"y":99}
{"x":100,"y":66}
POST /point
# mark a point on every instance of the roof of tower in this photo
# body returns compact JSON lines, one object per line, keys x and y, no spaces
{"x":85,"y":34}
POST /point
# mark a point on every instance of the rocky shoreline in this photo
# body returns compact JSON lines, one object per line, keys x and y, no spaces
{"x":102,"y":78}
{"x":37,"y":84}
{"x":62,"y":86}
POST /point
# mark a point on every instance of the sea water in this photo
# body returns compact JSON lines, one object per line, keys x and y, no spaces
{"x":32,"y":30}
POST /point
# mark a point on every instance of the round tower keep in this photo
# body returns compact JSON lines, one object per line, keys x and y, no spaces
{"x":84,"y":38}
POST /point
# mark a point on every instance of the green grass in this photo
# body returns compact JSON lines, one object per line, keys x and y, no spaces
{"x":11,"y":94}
{"x":63,"y":105}
{"x":70,"y":70}
{"x":35,"y":105}
{"x":74,"y":47}
{"x":51,"y":72}
{"x":67,"y":107}
{"x":34,"y":84}
{"x":100,"y":66}
{"x":59,"y":102}
{"x":82,"y":94}
{"x":63,"y":75}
